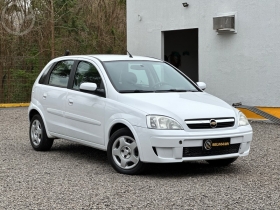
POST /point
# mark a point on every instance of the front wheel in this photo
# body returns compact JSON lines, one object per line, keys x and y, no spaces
{"x":38,"y":136}
{"x":221,"y":162}
{"x":123,"y":153}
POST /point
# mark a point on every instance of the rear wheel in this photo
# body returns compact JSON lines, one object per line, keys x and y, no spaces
{"x":221,"y":162}
{"x":38,"y":136}
{"x":123,"y":153}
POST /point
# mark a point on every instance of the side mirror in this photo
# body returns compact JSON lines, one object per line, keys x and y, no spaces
{"x":201,"y":85}
{"x":88,"y":87}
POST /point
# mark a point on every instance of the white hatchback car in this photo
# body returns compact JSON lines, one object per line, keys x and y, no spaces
{"x":138,"y":109}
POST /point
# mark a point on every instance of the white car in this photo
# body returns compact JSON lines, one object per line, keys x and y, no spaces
{"x":138,"y":109}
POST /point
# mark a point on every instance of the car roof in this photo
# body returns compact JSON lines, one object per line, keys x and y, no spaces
{"x":113,"y":57}
{"x":122,"y":57}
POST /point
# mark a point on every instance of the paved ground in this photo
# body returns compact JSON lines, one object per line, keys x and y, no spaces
{"x":71,"y":176}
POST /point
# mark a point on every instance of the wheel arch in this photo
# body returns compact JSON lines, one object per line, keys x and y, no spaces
{"x":116,"y":127}
{"x":118,"y":124}
{"x":33,"y":110}
{"x":32,"y":113}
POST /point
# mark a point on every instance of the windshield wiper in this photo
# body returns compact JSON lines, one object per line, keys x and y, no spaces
{"x":136,"y":91}
{"x":156,"y":91}
{"x":175,"y":90}
{"x":172,"y":90}
{"x":192,"y":91}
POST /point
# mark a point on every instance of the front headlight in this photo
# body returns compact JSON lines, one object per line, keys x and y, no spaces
{"x":162,"y":123}
{"x":243,"y":119}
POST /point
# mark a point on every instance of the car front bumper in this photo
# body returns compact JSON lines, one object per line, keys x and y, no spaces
{"x":168,"y":146}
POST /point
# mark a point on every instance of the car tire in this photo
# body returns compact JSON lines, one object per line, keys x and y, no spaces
{"x":221,"y":162}
{"x":123,"y":154}
{"x":38,"y":136}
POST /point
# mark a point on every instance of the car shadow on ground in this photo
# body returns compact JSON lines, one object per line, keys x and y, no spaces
{"x":92,"y":155}
{"x":79,"y":151}
{"x":194,"y":168}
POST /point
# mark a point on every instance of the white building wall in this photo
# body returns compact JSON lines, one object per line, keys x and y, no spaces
{"x":242,"y":67}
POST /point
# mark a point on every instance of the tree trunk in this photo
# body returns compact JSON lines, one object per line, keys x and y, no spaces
{"x":1,"y":66}
{"x":52,"y":29}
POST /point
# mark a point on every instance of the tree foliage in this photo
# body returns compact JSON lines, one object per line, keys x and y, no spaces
{"x":81,"y":26}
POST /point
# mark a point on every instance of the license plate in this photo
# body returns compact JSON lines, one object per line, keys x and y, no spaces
{"x":213,"y":144}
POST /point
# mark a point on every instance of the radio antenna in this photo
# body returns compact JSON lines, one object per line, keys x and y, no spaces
{"x":129,"y":54}
{"x":67,"y":52}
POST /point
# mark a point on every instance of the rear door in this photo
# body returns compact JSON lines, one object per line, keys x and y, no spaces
{"x":53,"y":95}
{"x":84,"y":112}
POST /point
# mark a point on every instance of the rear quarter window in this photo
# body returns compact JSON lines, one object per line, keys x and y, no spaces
{"x":43,"y":78}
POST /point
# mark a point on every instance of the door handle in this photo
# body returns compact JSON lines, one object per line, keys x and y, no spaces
{"x":70,"y":102}
{"x":44,"y":96}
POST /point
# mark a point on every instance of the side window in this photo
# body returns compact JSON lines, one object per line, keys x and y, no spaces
{"x":86,"y":72}
{"x":60,"y":74}
{"x":44,"y":75}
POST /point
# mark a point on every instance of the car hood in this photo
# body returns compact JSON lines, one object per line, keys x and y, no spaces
{"x":187,"y":105}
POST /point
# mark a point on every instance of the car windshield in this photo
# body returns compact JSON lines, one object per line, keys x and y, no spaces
{"x":146,"y":76}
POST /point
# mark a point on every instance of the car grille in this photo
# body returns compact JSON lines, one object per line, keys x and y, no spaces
{"x":197,"y":151}
{"x":205,"y":123}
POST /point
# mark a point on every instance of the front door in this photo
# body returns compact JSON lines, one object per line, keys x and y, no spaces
{"x":84,"y":112}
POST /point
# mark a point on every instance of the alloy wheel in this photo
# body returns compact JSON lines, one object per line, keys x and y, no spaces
{"x":125,"y":152}
{"x":36,"y":132}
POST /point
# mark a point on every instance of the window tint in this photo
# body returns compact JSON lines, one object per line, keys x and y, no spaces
{"x":86,"y":72}
{"x":60,"y":74}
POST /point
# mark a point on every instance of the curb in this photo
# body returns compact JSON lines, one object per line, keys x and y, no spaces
{"x":251,"y":115}
{"x":261,"y":113}
{"x":13,"y":105}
